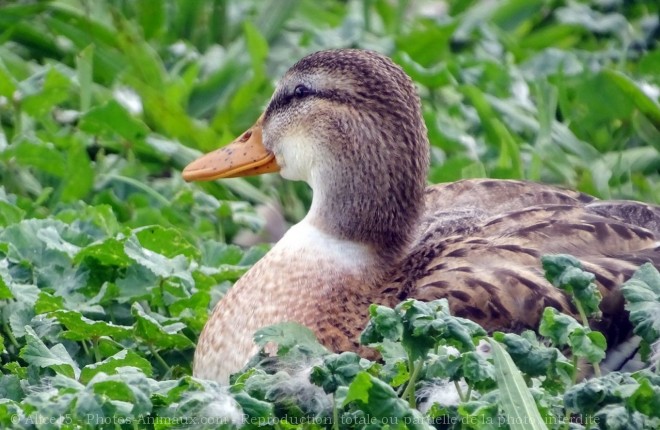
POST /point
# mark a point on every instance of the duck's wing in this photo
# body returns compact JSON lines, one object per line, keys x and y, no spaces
{"x":461,"y":206}
{"x":629,"y":212}
{"x":487,"y":264}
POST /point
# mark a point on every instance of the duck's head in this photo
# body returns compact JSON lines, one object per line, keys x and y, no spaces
{"x":347,"y":122}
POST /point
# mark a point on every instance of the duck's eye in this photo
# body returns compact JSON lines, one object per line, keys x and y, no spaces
{"x":301,"y":91}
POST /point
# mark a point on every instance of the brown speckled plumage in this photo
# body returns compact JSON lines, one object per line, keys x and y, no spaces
{"x":376,"y":234}
{"x":484,"y":254}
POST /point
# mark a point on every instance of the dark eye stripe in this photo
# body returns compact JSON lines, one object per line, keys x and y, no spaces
{"x":279,"y":102}
{"x":282,"y":100}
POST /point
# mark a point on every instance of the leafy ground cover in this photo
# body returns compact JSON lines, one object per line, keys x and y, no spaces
{"x":109,"y":262}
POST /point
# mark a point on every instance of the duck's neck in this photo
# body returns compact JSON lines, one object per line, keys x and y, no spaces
{"x":380,"y":212}
{"x":306,"y":241}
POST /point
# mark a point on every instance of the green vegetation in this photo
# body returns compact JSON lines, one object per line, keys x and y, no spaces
{"x":109,"y":262}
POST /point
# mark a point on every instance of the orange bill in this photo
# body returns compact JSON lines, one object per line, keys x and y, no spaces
{"x":245,"y":156}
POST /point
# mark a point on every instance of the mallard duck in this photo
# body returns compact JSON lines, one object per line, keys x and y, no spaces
{"x":349,"y":123}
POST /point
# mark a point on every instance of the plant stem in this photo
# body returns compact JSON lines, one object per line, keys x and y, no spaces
{"x":140,"y":186}
{"x":588,"y":424}
{"x":162,"y":308}
{"x":85,"y":347}
{"x":18,"y":126}
{"x":159,"y":359}
{"x":575,"y":370}
{"x":567,"y":419}
{"x":583,"y":316}
{"x":459,"y":391}
{"x":401,"y":13}
{"x":585,"y":322}
{"x":335,"y":413}
{"x":11,"y":337}
{"x":366,"y":5}
{"x":97,"y":352}
{"x":410,"y":388}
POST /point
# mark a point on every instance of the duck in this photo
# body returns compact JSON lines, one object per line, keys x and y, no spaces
{"x":349,"y":123}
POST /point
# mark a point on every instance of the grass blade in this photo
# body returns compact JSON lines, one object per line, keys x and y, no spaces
{"x":643,"y":102}
{"x":515,"y":397}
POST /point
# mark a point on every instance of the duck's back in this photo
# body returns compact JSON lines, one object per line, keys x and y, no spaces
{"x":480,"y":242}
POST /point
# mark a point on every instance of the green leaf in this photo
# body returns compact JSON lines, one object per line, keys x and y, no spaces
{"x":516,"y":399}
{"x":42,"y":157}
{"x":110,"y":118}
{"x":137,"y":282}
{"x":36,"y":353}
{"x":255,"y":409}
{"x":379,"y":401}
{"x":509,"y":163}
{"x":16,"y":369}
{"x":20,"y":312}
{"x":565,"y":330}
{"x":169,"y":242}
{"x":10,"y":214}
{"x":10,"y":388}
{"x":108,"y":347}
{"x":80,"y":174}
{"x":109,"y":252}
{"x":618,"y":417}
{"x":396,"y":374}
{"x":40,"y":99}
{"x":5,"y":292}
{"x":126,"y":385}
{"x":7,"y":82}
{"x":152,"y":17}
{"x":124,"y":358}
{"x":478,"y":372}
{"x":588,"y":344}
{"x":557,"y":326}
{"x":592,"y":19}
{"x":649,"y":107}
{"x":84,"y":69}
{"x":257,"y":47}
{"x":158,"y":264}
{"x":98,"y":221}
{"x":565,"y":272}
{"x":47,"y":302}
{"x":429,"y":323}
{"x":384,"y":323}
{"x":286,"y":335}
{"x":82,"y":328}
{"x":642,"y":294}
{"x":589,"y":396}
{"x":529,"y":355}
{"x":146,"y":65}
{"x":485,"y":412}
{"x":646,"y":399}
{"x":52,"y":238}
{"x":48,"y":246}
{"x":433,"y":77}
{"x":447,"y":364}
{"x":165,"y":335}
{"x":337,"y":370}
{"x":11,"y":413}
{"x":216,"y":253}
